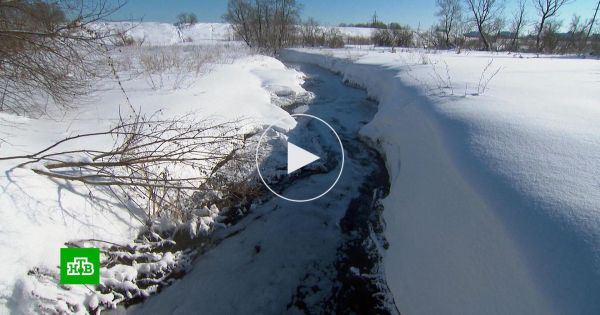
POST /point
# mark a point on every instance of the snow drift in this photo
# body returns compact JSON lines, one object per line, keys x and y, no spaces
{"x":495,"y":196}
{"x":40,"y":214}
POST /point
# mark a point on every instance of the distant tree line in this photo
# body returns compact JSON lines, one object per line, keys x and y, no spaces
{"x":482,"y":24}
{"x":374,"y":23}
{"x":270,"y":25}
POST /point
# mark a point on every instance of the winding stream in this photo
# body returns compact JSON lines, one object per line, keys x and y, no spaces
{"x":317,"y":257}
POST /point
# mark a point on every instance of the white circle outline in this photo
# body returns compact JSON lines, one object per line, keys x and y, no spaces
{"x":300,"y":200}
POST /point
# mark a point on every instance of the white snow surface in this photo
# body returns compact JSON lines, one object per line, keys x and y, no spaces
{"x":353,"y":31}
{"x":161,"y":34}
{"x":164,"y":34}
{"x":495,"y":197}
{"x":38,"y":215}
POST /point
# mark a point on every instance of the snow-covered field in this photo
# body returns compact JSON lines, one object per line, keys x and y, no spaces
{"x":40,"y":214}
{"x":494,"y":163}
{"x":156,"y":33}
{"x":495,"y":191}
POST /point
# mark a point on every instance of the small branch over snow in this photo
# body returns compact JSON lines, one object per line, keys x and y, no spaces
{"x":486,"y":76}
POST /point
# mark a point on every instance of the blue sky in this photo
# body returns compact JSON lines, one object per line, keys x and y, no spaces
{"x":327,"y":12}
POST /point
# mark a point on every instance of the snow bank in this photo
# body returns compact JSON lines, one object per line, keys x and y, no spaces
{"x":495,"y":196}
{"x":38,"y":214}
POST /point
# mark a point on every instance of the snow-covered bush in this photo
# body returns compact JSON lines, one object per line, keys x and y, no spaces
{"x":129,"y":273}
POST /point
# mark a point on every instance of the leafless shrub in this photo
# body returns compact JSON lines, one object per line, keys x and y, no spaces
{"x":310,"y":33}
{"x":546,"y":10}
{"x":517,"y":23}
{"x":186,"y":18}
{"x":591,"y":22}
{"x":443,"y":80}
{"x":158,"y":163}
{"x":178,"y":66}
{"x":450,"y":14}
{"x":484,"y":16}
{"x":268,"y":25}
{"x":550,"y":37}
{"x":159,"y":63}
{"x":486,"y":76}
{"x":333,"y":38}
{"x":430,"y":38}
{"x":577,"y":34}
{"x":358,"y":40}
{"x":122,"y":38}
{"x":394,"y":36}
{"x":48,"y":51}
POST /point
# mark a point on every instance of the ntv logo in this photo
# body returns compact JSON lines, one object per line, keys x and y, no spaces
{"x":80,"y":266}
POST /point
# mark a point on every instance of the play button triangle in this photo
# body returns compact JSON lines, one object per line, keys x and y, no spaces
{"x":298,"y":158}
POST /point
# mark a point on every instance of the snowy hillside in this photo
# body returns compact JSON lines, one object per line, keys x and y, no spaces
{"x":494,"y":162}
{"x":353,"y":31}
{"x":155,"y":33}
{"x":161,"y":34}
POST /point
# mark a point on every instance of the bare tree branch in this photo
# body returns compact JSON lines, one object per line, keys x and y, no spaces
{"x":165,"y":161}
{"x":450,"y":14}
{"x":518,"y":20}
{"x":546,"y":9}
{"x":592,"y":21}
{"x":264,"y":24}
{"x":484,"y":13}
{"x":49,"y":51}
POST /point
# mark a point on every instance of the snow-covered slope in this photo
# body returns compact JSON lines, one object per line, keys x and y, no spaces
{"x":354,"y":31}
{"x":208,"y":31}
{"x":495,"y":195}
{"x":148,"y":33}
{"x":156,"y":33}
{"x":162,"y":34}
{"x":38,"y":215}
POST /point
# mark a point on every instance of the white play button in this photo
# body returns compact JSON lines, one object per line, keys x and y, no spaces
{"x":298,"y":158}
{"x":275,"y":142}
